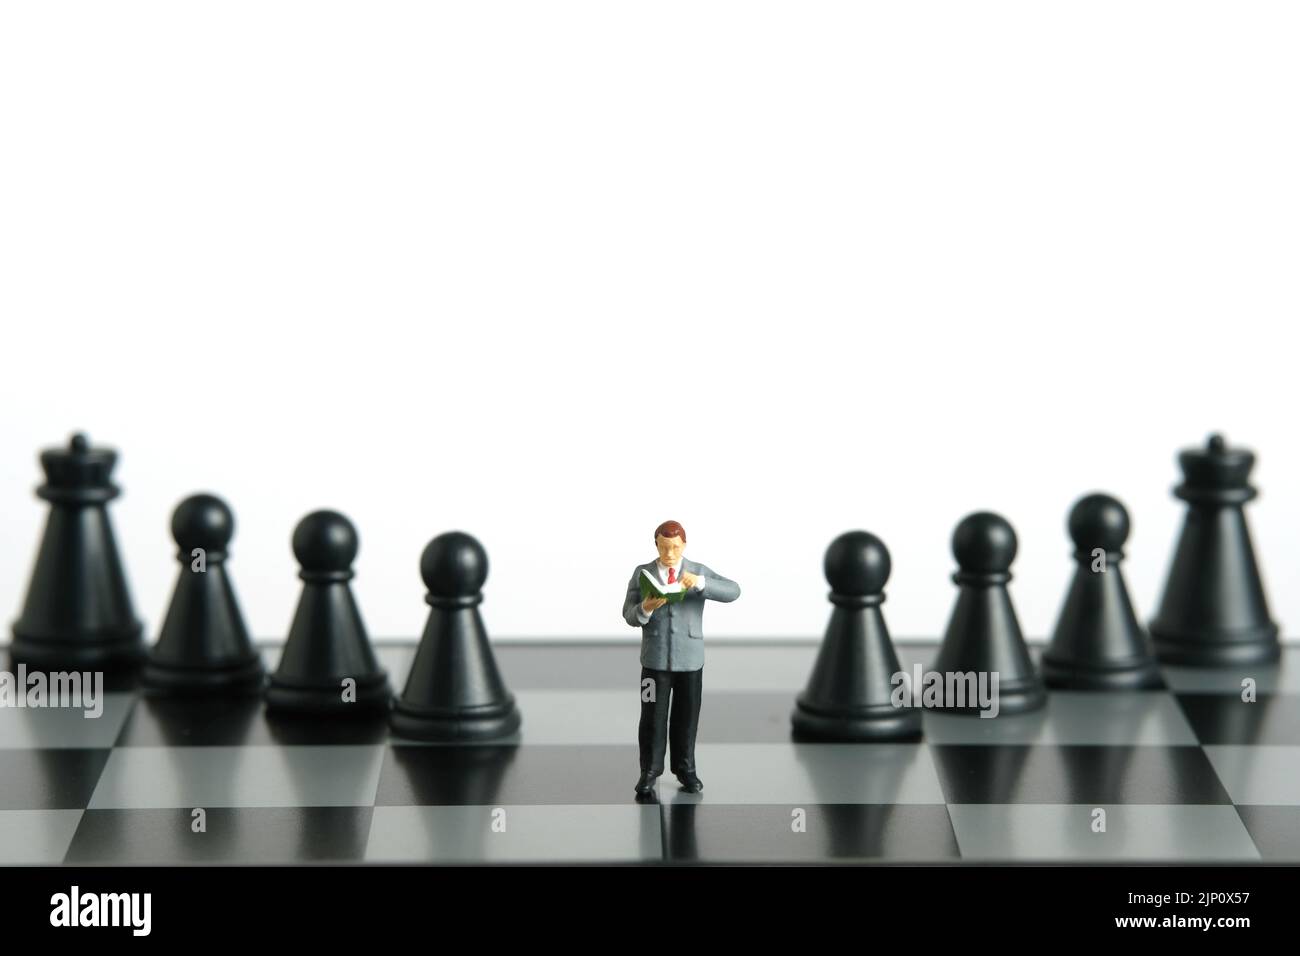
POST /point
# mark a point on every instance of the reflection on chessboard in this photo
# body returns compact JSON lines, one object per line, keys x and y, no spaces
{"x":1188,"y":773}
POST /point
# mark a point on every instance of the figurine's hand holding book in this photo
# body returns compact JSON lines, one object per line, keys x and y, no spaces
{"x":655,"y":594}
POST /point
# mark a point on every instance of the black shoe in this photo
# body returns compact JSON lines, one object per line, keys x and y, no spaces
{"x":647,"y":782}
{"x":690,"y":783}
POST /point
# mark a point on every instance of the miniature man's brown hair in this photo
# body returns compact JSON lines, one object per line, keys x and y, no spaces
{"x":670,"y":529}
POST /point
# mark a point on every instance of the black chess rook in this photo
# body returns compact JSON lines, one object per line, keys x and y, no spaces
{"x":1214,"y":612}
{"x":78,"y":613}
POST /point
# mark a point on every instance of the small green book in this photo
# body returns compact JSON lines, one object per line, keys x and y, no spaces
{"x":651,"y":586}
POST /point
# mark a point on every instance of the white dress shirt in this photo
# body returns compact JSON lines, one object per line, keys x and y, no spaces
{"x":662,"y":570}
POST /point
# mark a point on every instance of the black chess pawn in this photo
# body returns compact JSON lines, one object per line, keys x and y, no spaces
{"x":78,"y":613}
{"x":849,"y":694}
{"x":983,"y":636}
{"x":1214,"y":612}
{"x":1098,"y":643}
{"x":204,"y":645}
{"x":454,"y":690}
{"x":327,"y":665}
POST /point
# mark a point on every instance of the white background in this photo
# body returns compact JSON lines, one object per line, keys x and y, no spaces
{"x":554,"y":272}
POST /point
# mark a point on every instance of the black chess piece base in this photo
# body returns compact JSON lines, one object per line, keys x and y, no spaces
{"x":462,"y":724}
{"x":373,"y":695}
{"x":246,"y":677}
{"x":119,"y":651}
{"x":1019,"y":697}
{"x":1257,"y":646}
{"x":872,"y":724}
{"x":1139,"y":674}
{"x":1142,"y":674}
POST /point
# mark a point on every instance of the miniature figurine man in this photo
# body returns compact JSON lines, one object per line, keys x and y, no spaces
{"x":672,"y":655}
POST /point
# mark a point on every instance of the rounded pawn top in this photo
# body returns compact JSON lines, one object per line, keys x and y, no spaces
{"x":984,"y":543}
{"x":857,"y":564}
{"x":1098,"y":521}
{"x":203,"y":521}
{"x":79,"y":443}
{"x":454,"y":565}
{"x":325,"y":542}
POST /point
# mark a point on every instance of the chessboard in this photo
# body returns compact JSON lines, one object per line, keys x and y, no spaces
{"x":1188,"y":773}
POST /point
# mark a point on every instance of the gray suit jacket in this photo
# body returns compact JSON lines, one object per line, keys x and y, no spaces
{"x":673,"y":638}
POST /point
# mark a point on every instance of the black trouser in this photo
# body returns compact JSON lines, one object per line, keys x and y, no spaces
{"x":658,"y":727}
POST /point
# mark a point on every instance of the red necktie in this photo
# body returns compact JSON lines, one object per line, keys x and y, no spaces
{"x":672,"y":576}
